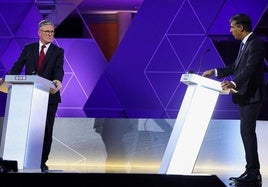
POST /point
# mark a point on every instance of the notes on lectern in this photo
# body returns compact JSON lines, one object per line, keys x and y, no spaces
{"x":228,"y":91}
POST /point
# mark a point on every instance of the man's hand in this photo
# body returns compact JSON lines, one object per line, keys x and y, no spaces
{"x":209,"y":73}
{"x":225,"y":85}
{"x":58,"y":85}
{"x":1,"y":81}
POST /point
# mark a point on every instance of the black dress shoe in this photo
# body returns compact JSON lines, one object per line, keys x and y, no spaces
{"x":241,"y":176}
{"x":250,"y":178}
{"x":235,"y":184}
{"x":44,"y":168}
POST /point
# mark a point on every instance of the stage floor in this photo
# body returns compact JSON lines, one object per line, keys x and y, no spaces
{"x":134,"y":148}
{"x":70,"y":178}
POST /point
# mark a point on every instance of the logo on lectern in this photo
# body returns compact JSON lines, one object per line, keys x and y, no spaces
{"x":20,"y":77}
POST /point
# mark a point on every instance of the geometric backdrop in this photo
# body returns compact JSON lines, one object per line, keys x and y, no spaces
{"x":165,"y":39}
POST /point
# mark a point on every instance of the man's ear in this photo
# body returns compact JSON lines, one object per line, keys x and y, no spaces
{"x":241,"y":28}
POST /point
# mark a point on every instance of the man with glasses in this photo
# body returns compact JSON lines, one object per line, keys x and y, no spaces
{"x":46,"y":60}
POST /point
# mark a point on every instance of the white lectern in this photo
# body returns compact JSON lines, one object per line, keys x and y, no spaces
{"x":191,"y":124}
{"x":25,"y":118}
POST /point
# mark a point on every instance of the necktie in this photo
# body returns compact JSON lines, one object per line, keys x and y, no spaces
{"x":41,"y":57}
{"x":239,"y":54}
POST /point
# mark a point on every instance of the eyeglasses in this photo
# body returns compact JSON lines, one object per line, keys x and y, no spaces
{"x":47,"y":32}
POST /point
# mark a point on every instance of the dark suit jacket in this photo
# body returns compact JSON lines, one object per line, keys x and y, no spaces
{"x":52,"y":68}
{"x":248,"y":74}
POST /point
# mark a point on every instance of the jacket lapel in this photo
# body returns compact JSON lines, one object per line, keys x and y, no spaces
{"x":244,"y":48}
{"x":36,"y":55}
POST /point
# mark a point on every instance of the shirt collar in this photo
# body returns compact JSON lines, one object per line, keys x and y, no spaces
{"x":246,"y":38}
{"x":47,"y":45}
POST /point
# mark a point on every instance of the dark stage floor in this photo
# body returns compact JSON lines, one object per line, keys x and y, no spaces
{"x":118,"y":179}
{"x":94,"y":179}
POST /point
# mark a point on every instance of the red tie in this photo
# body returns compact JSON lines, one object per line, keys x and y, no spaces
{"x":41,"y":58}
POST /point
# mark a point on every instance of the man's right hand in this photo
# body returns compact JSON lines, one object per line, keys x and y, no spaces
{"x":1,"y":81}
{"x":209,"y":73}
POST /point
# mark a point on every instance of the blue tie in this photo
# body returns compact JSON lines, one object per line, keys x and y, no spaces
{"x":239,"y":54}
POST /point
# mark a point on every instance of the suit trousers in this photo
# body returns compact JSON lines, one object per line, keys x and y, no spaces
{"x":51,"y":113}
{"x":248,"y":119}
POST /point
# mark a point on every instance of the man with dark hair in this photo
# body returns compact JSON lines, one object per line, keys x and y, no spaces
{"x":46,"y":60}
{"x":248,"y":81}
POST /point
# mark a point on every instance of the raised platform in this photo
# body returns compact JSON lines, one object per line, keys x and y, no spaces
{"x":93,"y":147}
{"x":138,"y":145}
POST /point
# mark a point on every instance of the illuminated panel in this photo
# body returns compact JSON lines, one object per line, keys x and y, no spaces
{"x":193,"y":118}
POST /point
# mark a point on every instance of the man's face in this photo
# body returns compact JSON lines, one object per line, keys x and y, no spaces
{"x":46,"y":34}
{"x":236,"y":31}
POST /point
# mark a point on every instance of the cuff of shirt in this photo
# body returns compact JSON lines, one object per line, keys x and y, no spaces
{"x":233,"y":84}
{"x":216,"y":72}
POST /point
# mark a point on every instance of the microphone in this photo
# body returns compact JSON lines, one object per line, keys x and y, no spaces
{"x":201,"y":59}
{"x":190,"y":72}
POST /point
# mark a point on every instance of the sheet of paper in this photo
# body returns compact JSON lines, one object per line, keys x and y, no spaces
{"x":228,"y":91}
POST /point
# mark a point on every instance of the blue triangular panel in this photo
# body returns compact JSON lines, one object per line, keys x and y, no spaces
{"x":11,"y":54}
{"x":103,"y":101}
{"x":14,"y":14}
{"x":4,"y":30}
{"x":254,"y":9}
{"x":176,"y":100}
{"x":221,"y":24}
{"x":71,"y":92}
{"x":165,"y":59}
{"x":30,"y":30}
{"x":181,"y":25}
{"x":207,"y":57}
{"x":4,"y":44}
{"x":164,"y":85}
{"x":186,"y":47}
{"x":207,"y":11}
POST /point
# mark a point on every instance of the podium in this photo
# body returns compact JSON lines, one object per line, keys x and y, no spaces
{"x":25,"y":119}
{"x":190,"y":125}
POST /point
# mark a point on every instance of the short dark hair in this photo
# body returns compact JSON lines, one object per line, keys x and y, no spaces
{"x":242,"y":19}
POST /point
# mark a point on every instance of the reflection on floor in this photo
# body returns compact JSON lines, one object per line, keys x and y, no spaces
{"x":135,"y":148}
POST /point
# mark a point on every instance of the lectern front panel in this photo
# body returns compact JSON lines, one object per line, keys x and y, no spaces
{"x":191,"y":124}
{"x":15,"y":130}
{"x":25,"y":119}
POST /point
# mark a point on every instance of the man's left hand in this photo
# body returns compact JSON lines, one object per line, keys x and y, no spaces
{"x":58,"y":85}
{"x":227,"y":85}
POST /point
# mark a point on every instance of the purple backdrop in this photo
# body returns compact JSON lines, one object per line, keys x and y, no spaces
{"x":165,"y":39}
